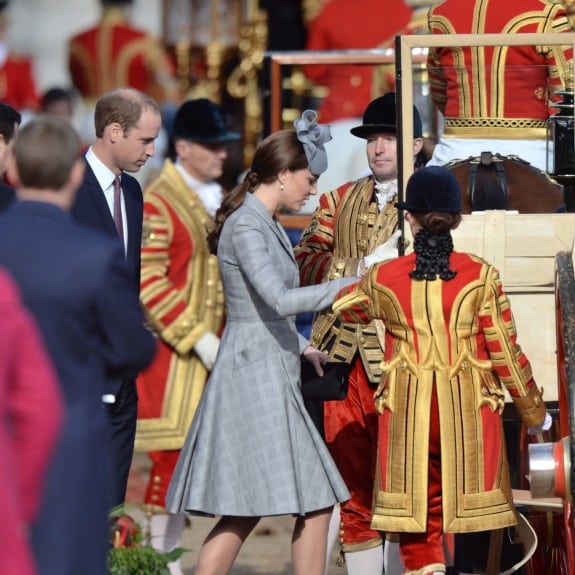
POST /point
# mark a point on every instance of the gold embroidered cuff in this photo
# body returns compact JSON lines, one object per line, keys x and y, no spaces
{"x":531,"y":408}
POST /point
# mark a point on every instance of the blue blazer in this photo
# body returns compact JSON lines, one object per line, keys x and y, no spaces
{"x":91,"y":209}
{"x":76,"y":283}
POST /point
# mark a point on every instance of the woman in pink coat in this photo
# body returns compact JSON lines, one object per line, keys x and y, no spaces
{"x":31,"y":411}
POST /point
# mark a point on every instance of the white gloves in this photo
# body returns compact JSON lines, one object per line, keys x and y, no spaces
{"x":544,"y":426}
{"x":385,"y":251}
{"x":207,"y":348}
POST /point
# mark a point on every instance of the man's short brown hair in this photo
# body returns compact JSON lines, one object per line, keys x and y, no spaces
{"x":123,"y":106}
{"x":45,"y":152}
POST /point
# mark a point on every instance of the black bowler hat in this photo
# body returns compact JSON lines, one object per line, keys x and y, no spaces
{"x":432,"y":189}
{"x":202,"y":121}
{"x":379,"y":116}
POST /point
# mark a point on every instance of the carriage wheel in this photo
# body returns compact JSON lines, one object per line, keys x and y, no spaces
{"x":565,"y":322}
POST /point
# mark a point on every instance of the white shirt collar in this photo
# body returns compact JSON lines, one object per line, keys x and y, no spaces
{"x":103,"y":174}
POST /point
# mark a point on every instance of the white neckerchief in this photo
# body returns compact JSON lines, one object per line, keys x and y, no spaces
{"x":385,"y":192}
{"x":210,"y":193}
{"x":3,"y":53}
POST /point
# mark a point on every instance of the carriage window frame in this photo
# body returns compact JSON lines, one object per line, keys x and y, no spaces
{"x":277,"y":60}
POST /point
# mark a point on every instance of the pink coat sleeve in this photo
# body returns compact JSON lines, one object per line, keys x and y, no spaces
{"x":32,"y":404}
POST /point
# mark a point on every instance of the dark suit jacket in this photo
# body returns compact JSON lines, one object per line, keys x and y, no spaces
{"x":75,"y":282}
{"x":91,"y":209}
{"x":7,"y":196}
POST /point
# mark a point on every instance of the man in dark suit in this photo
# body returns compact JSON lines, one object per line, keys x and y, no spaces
{"x":9,"y":122}
{"x":76,"y":283}
{"x":127,"y":123}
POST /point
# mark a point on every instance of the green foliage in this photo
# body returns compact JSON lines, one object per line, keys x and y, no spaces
{"x":137,"y":561}
{"x":128,"y":556}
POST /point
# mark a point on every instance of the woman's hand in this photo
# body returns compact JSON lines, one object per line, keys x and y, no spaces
{"x":316,"y":358}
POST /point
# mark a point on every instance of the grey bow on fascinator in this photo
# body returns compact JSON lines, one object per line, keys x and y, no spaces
{"x":313,"y":136}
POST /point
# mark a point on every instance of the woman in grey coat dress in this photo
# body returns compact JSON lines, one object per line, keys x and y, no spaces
{"x":252,"y":449}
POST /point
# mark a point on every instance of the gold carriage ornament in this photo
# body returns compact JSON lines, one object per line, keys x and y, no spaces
{"x":561,"y":134}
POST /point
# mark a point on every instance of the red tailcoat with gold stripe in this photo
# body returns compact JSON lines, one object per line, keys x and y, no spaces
{"x":17,"y":84}
{"x":506,"y":89}
{"x":350,"y":25}
{"x":183,"y":299}
{"x":458,"y":336}
{"x":113,"y":54}
{"x":347,"y":226}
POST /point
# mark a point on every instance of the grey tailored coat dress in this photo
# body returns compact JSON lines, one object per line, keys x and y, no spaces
{"x":252,"y":449}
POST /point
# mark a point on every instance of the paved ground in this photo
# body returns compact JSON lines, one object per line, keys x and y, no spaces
{"x":266,"y":552}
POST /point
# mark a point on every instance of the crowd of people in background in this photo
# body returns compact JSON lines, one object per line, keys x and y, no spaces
{"x":161,"y":299}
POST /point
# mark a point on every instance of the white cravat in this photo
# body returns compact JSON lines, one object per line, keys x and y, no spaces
{"x":211,"y":196}
{"x":210,"y":193}
{"x":385,"y":192}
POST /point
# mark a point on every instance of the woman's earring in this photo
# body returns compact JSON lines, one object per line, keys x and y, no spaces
{"x":281,"y":186}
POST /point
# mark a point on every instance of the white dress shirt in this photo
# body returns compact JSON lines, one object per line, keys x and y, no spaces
{"x":105,"y":178}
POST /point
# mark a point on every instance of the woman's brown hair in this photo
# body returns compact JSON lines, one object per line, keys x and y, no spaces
{"x":278,"y":152}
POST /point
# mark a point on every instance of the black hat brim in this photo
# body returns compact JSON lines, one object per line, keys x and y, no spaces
{"x":406,"y":207}
{"x":367,"y":130}
{"x":227,"y":137}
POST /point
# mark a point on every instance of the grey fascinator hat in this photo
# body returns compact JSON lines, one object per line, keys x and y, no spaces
{"x":313,"y":136}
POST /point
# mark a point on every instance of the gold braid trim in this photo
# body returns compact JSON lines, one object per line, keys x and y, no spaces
{"x":496,"y":128}
{"x":358,"y":229}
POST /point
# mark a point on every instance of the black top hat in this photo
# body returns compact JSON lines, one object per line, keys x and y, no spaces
{"x":432,"y":189}
{"x":380,"y":116}
{"x":202,"y":121}
{"x":116,"y":2}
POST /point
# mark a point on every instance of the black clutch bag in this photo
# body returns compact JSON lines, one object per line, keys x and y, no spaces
{"x":331,"y":386}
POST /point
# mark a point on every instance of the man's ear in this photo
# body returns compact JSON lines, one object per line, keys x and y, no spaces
{"x":12,"y":171}
{"x":417,"y":145}
{"x":115,"y":132}
{"x":180,"y":146}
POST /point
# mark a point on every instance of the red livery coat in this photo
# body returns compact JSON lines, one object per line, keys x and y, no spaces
{"x":183,"y":299}
{"x":457,"y":337}
{"x":113,"y":54}
{"x":17,"y":84}
{"x":475,"y":85}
